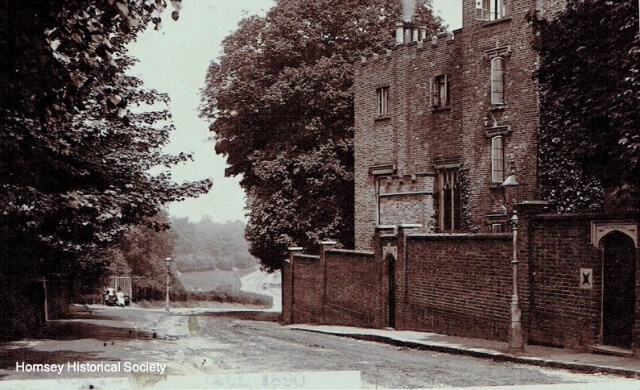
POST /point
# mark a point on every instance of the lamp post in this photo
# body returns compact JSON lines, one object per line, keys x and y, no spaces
{"x":516,"y":338}
{"x":168,"y":262}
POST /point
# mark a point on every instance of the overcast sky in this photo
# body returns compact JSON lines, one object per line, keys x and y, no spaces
{"x":175,"y":60}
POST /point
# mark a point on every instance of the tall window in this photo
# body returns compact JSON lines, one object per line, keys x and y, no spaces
{"x":491,"y":9}
{"x":497,"y":80}
{"x":383,"y":101}
{"x":449,"y":198}
{"x":497,"y":160}
{"x":440,"y":91}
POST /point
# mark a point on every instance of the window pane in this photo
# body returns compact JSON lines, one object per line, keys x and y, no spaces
{"x":382,"y":96}
{"x":450,"y":207}
{"x":497,"y":160}
{"x":496,"y":9}
{"x":482,"y":9}
{"x":440,"y":91}
{"x":497,"y":81}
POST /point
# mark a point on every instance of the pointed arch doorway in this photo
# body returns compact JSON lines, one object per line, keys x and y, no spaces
{"x":618,"y":289}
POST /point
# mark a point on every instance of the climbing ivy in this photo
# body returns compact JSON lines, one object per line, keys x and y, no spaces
{"x":466,"y":208}
{"x":589,"y":75}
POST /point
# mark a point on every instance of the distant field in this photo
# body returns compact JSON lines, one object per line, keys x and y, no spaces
{"x":214,"y":280}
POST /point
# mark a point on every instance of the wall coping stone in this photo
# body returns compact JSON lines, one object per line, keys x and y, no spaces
{"x":475,"y":236}
{"x":302,"y":255}
{"x":352,"y":252}
{"x":573,"y":216}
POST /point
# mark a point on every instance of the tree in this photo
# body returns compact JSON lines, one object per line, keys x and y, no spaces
{"x":75,"y":159}
{"x":590,"y":104}
{"x":207,"y":245}
{"x":281,"y":107}
{"x":144,"y":249}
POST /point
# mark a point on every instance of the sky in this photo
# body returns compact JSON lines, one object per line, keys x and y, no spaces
{"x":175,"y":59}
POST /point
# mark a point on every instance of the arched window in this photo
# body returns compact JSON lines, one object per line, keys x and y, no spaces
{"x":497,"y":160}
{"x":497,"y":80}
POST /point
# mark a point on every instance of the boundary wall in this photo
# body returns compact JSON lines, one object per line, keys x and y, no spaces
{"x":461,"y":284}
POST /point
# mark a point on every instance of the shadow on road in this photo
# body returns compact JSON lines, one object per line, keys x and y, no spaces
{"x":74,"y":330}
{"x":66,"y":330}
{"x":9,"y":358}
{"x":245,"y":315}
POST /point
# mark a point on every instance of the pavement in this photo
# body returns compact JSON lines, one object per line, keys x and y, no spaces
{"x":585,"y":362}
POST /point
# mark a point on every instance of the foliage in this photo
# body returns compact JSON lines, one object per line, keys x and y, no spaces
{"x":144,"y":250}
{"x":590,"y":102}
{"x":203,"y":299}
{"x":466,"y":208}
{"x":281,"y":106}
{"x":75,"y":160}
{"x":207,"y":245}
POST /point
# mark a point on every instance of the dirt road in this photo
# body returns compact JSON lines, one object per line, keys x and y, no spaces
{"x":200,"y":349}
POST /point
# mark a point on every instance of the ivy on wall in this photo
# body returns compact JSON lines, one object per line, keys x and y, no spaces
{"x":466,"y":208}
{"x":589,"y":77}
{"x":463,"y":186}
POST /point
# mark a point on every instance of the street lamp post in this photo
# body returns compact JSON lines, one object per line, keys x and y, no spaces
{"x":168,"y":262}
{"x":516,"y":338}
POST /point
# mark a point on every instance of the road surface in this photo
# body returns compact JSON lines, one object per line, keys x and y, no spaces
{"x":244,"y":348}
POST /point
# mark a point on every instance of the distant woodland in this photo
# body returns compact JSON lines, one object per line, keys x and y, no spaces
{"x":207,"y":245}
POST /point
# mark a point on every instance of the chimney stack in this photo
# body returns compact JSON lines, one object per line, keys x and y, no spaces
{"x":399,"y":33}
{"x":407,"y":32}
{"x":423,"y":33}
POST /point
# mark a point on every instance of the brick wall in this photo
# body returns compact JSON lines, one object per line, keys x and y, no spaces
{"x":562,"y":313}
{"x":307,"y":289}
{"x":406,"y":200}
{"x":461,"y":284}
{"x":352,"y":288}
{"x":414,"y":136}
{"x":287,"y":293}
{"x":405,"y":138}
{"x":337,"y":287}
{"x":458,"y":285}
{"x":509,"y":38}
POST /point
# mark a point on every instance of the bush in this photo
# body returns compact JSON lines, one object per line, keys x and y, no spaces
{"x":22,"y":306}
{"x":228,"y":296}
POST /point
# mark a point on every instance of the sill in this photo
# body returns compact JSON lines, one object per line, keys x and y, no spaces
{"x":493,"y":131}
{"x":499,"y":106}
{"x":382,"y":118}
{"x":497,"y":21}
{"x":441,"y":108}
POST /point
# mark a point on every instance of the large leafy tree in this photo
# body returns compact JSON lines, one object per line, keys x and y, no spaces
{"x":590,"y":95}
{"x":74,"y":154}
{"x":281,"y":105}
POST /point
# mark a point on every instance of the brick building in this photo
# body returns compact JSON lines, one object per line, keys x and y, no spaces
{"x":439,"y":122}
